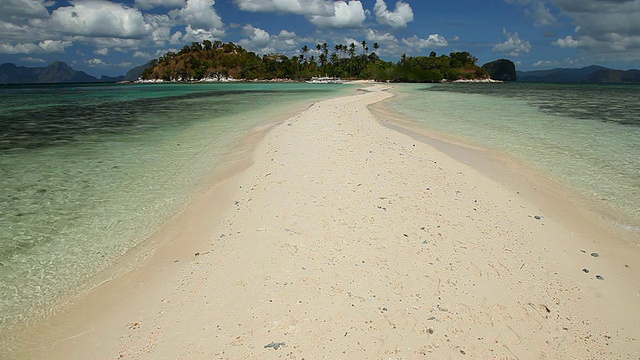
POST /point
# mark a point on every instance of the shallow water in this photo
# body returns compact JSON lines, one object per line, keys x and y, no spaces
{"x":586,"y":136}
{"x":87,"y":172}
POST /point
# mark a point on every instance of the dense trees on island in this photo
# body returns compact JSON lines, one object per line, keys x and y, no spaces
{"x":217,"y":60}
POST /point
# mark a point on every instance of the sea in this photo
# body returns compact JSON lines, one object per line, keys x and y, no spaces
{"x":87,"y":172}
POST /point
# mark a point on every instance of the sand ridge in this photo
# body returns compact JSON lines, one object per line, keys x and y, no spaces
{"x":348,"y":240}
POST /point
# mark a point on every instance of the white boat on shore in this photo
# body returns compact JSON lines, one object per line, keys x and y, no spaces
{"x":325,"y":80}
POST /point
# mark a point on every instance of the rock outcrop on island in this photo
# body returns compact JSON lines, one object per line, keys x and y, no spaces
{"x":503,"y":70}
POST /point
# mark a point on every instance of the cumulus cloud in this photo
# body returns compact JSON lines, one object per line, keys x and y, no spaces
{"x":604,"y":26}
{"x":12,"y":9}
{"x":514,"y":46}
{"x":345,"y":15}
{"x":432,"y":41}
{"x":199,"y":14}
{"x":32,"y":60}
{"x":298,"y":7}
{"x":43,"y":47}
{"x":398,"y":18}
{"x":199,"y":35}
{"x":101,"y":51}
{"x":96,"y":62}
{"x":150,"y":4}
{"x":537,"y":10}
{"x":100,"y":18}
{"x":260,"y":41}
{"x":567,"y":42}
{"x":546,"y":63}
{"x":142,"y":55}
{"x":607,"y":28}
{"x":373,"y":35}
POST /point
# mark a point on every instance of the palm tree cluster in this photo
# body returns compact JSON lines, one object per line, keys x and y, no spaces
{"x":353,"y":61}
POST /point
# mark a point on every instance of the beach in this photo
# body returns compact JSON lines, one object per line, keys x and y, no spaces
{"x":335,"y":236}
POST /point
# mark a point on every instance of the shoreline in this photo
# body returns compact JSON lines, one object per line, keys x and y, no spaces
{"x":140,"y":262}
{"x":345,"y":232}
{"x":539,"y":187}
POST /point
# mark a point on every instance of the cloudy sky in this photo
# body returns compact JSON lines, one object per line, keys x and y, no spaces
{"x":111,"y":36}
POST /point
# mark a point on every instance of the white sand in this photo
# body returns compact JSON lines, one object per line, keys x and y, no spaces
{"x":348,"y":240}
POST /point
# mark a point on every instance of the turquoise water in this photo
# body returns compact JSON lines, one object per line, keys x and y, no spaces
{"x":87,"y":172}
{"x":586,"y":136}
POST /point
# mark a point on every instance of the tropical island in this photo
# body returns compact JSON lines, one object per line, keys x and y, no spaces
{"x":218,"y":61}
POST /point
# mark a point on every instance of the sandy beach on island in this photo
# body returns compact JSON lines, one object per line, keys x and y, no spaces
{"x":342,"y":238}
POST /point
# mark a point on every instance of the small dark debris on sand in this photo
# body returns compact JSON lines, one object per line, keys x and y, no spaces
{"x":274,"y":345}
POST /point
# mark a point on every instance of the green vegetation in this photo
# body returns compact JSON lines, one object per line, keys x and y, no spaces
{"x":219,"y":60}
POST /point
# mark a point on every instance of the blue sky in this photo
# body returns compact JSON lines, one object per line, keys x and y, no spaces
{"x":111,"y":36}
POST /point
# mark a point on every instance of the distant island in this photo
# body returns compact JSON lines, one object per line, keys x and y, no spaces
{"x":590,"y":74}
{"x":218,"y":61}
{"x":58,"y":73}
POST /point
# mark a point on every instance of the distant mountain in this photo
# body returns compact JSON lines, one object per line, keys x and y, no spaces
{"x":57,"y":72}
{"x":589,"y":74}
{"x":135,"y":73}
{"x":616,"y":77}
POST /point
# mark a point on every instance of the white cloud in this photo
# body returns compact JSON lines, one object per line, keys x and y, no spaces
{"x":345,"y":15}
{"x":32,"y":60}
{"x":541,"y":14}
{"x":29,"y":9}
{"x":567,"y":42}
{"x":606,"y":29}
{"x":537,"y":10}
{"x":52,"y":46}
{"x":199,"y":14}
{"x":513,"y":46}
{"x":99,"y":18}
{"x":112,"y":43}
{"x":298,"y":7}
{"x":199,"y":35}
{"x":398,"y":18}
{"x":43,"y":47}
{"x":142,"y":54}
{"x":432,"y":41}
{"x":101,"y":51}
{"x":96,"y":62}
{"x":261,"y":42}
{"x":546,"y":63}
{"x":150,"y":4}
{"x":373,"y":35}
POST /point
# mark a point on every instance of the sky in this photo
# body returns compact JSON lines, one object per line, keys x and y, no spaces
{"x":109,"y":37}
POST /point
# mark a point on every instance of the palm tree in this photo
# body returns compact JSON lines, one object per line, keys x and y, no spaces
{"x":376,"y":46}
{"x":352,"y":54}
{"x":364,"y":46}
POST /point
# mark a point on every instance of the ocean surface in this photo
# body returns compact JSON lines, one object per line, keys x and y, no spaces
{"x":585,"y":136}
{"x":87,"y":172}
